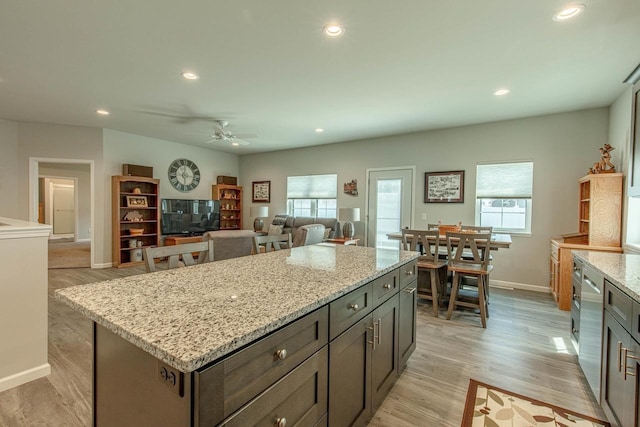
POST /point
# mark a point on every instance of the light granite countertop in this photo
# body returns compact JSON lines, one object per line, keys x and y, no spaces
{"x":623,"y":270}
{"x":189,"y":317}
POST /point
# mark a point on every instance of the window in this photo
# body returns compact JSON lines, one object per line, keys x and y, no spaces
{"x":312,"y":195}
{"x":503,"y":196}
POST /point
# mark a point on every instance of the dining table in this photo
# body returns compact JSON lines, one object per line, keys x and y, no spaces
{"x":498,"y":240}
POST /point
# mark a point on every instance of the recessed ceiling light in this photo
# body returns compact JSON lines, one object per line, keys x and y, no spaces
{"x":501,"y":92}
{"x":319,"y":130}
{"x":189,"y":75}
{"x":102,"y":112}
{"x":333,"y":30}
{"x":569,"y":12}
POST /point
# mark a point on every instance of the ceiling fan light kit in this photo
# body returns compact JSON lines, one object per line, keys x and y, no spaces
{"x":220,"y":133}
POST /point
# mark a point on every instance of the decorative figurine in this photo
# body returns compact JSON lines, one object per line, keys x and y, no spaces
{"x":604,"y":165}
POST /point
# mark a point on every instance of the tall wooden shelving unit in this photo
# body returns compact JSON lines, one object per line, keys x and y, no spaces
{"x":121,"y":187}
{"x":599,"y":229}
{"x":230,"y":197}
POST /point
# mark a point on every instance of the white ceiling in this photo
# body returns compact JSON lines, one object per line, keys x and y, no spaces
{"x":266,"y":67}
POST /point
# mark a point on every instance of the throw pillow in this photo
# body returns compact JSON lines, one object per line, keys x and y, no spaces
{"x":274,"y":230}
{"x":327,"y":233}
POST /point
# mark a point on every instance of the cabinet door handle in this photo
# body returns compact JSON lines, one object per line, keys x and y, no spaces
{"x":281,"y":354}
{"x":353,"y":307}
{"x":375,"y":337}
{"x":379,"y":331}
{"x":410,"y":272}
{"x":625,"y":356}
{"x":387,"y":286}
{"x":281,"y":422}
{"x":410,"y":290}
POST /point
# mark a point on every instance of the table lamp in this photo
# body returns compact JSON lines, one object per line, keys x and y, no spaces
{"x":258,"y":212}
{"x":347,"y":215}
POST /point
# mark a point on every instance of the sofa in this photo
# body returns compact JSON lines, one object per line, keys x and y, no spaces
{"x":291,"y":224}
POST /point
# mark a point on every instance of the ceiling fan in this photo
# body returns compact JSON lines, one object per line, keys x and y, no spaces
{"x":220,"y":133}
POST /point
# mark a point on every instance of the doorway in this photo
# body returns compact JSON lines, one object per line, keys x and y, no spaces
{"x":61,"y":193}
{"x":390,"y":204}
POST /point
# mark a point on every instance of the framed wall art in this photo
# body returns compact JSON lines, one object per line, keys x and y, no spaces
{"x":261,"y":191}
{"x":444,"y":187}
{"x":137,"y":201}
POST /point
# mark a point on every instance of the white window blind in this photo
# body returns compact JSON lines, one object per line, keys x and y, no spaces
{"x":505,"y":180}
{"x":312,"y":187}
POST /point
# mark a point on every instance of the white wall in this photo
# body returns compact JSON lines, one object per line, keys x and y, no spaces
{"x":121,"y":148}
{"x":9,"y":169}
{"x":562,"y":146}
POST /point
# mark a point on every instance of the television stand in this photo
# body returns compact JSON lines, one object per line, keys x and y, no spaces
{"x":181,"y":240}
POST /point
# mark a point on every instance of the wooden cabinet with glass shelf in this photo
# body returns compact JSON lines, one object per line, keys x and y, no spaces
{"x":135,"y":218}
{"x":230,"y":197}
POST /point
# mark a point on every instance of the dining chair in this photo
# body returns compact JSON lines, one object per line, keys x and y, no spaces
{"x":467,"y":281}
{"x":477,"y":266}
{"x":178,"y":255}
{"x":427,"y":242}
{"x":266,"y":244}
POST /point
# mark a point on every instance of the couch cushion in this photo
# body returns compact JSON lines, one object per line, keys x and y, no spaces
{"x":310,"y":234}
{"x":274,"y":230}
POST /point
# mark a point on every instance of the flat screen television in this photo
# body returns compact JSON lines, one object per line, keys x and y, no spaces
{"x":189,"y":217}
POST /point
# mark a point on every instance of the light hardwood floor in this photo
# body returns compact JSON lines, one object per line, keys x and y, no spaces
{"x":525,"y":349}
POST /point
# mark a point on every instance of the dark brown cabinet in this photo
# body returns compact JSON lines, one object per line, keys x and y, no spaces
{"x":407,"y":304}
{"x":363,"y":366}
{"x":620,"y":359}
{"x":618,"y":392}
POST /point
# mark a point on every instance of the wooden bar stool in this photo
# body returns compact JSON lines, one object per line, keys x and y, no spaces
{"x":427,"y":242}
{"x":475,"y":263}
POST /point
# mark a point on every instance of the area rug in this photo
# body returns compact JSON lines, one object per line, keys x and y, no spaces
{"x":69,"y":254}
{"x":490,"y":406}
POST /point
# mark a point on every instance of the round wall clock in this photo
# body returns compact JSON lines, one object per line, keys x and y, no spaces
{"x":184,"y":175}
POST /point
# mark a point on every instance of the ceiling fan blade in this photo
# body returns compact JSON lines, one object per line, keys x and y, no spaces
{"x":245,"y":135}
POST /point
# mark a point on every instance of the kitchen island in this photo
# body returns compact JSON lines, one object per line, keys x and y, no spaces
{"x":246,"y":340}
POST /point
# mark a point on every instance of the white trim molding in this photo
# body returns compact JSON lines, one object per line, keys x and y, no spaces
{"x":502,"y":284}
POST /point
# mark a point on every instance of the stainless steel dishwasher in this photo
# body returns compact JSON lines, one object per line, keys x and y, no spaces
{"x":591,"y":313}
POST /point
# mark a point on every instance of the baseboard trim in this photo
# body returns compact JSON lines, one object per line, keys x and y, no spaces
{"x":104,"y":265}
{"x":24,"y":377}
{"x":521,"y":286}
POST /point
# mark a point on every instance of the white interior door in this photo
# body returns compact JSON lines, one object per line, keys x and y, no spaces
{"x":390,"y":195}
{"x":63,"y":209}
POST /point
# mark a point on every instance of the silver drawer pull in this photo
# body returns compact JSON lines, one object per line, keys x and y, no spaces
{"x":281,"y":354}
{"x":353,"y":307}
{"x":410,"y":290}
{"x":387,"y":286}
{"x":409,"y":272}
{"x":281,"y":422}
{"x":574,"y":330}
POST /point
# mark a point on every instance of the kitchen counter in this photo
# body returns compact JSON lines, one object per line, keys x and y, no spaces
{"x":189,"y":317}
{"x":623,"y":270}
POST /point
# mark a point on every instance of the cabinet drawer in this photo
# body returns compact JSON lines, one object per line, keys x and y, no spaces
{"x":300,"y":398}
{"x":408,"y":273}
{"x":347,"y":310}
{"x":385,"y":286}
{"x":224,"y":387}
{"x":619,"y":304}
